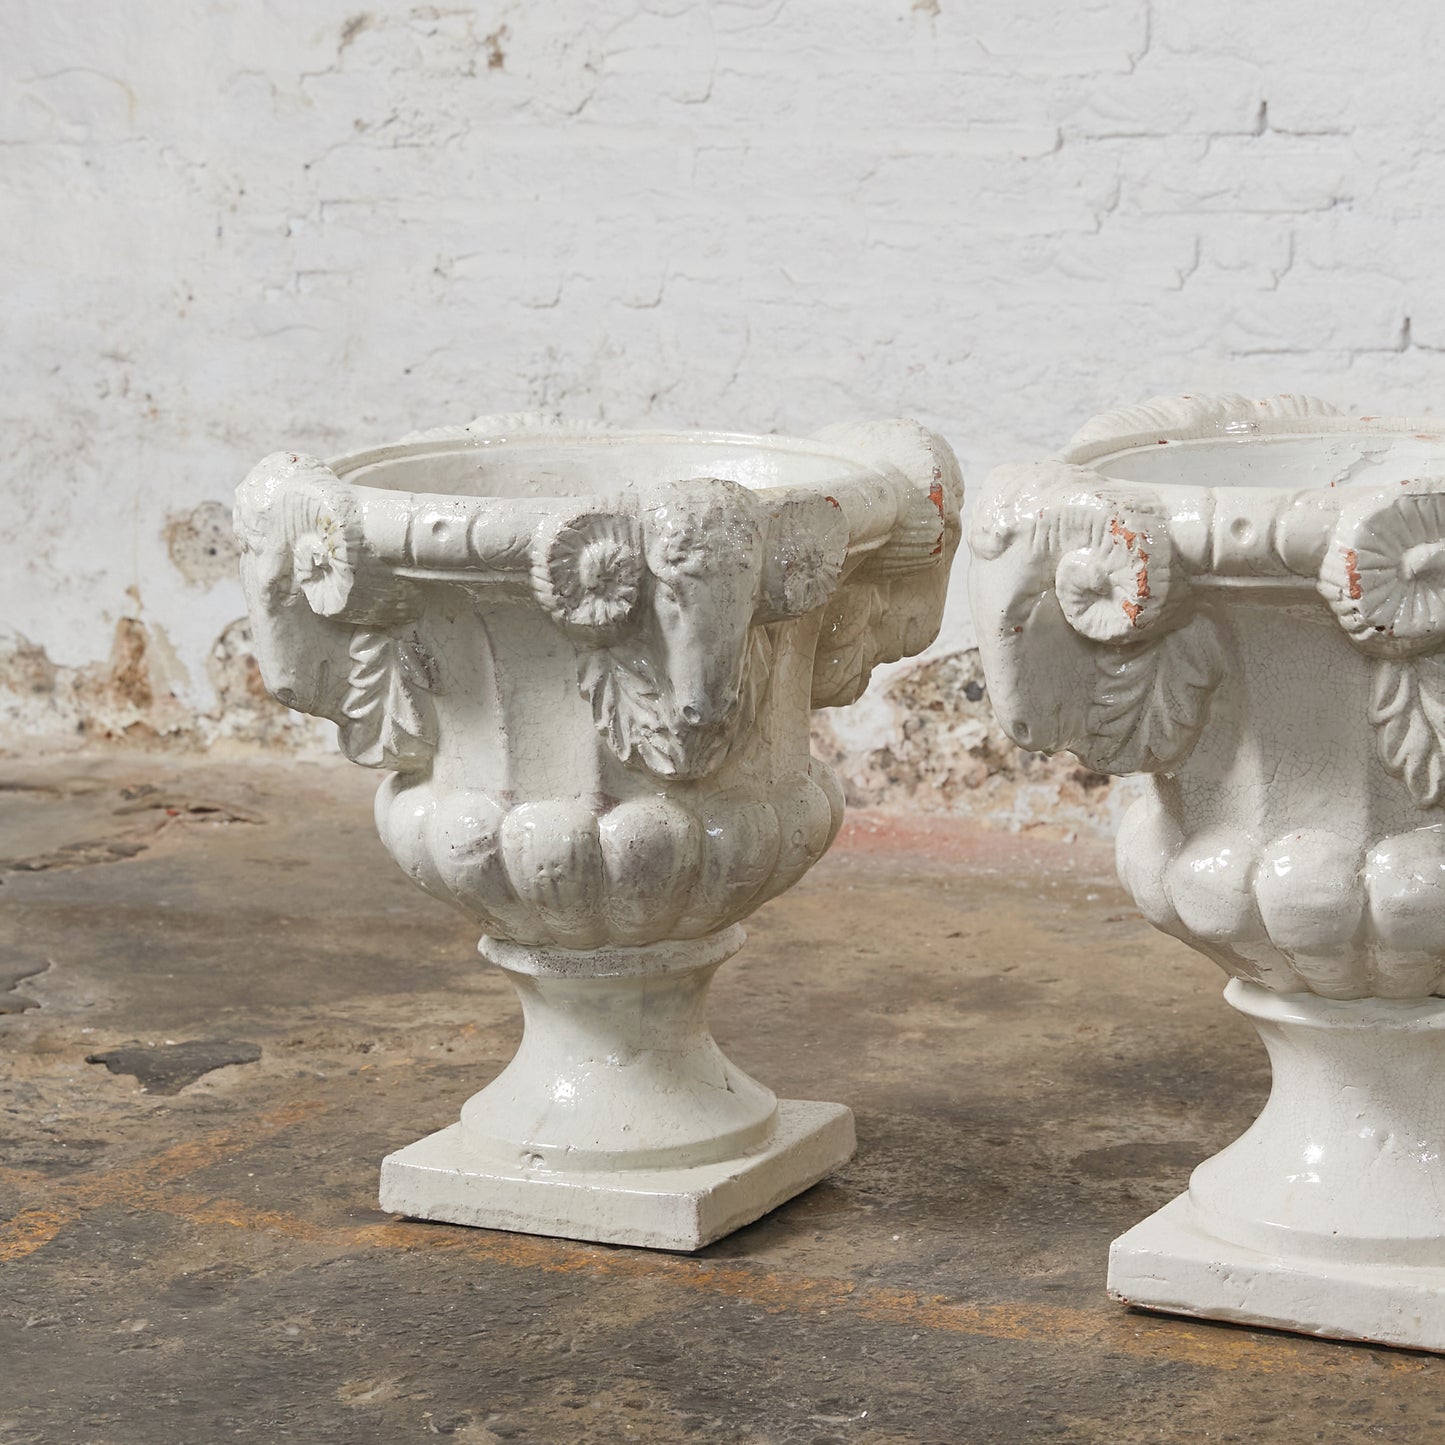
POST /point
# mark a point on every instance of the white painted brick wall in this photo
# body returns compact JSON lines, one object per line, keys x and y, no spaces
{"x":233,"y":226}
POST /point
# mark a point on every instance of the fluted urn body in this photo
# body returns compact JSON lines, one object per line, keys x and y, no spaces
{"x":586,"y":659}
{"x":1245,"y":600}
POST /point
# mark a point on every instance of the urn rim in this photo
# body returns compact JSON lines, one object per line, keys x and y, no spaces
{"x":1197,"y":422}
{"x":355,"y":469}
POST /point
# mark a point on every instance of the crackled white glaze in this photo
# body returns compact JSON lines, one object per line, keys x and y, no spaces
{"x":586,"y":659}
{"x":1246,"y":601}
{"x":1325,"y":1216}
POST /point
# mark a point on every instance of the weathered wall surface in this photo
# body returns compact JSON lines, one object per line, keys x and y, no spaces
{"x":232,"y":227}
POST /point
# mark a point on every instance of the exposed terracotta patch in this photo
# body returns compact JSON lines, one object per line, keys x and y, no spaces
{"x":1352,"y":574}
{"x":935,"y":495}
{"x":1135,"y":605}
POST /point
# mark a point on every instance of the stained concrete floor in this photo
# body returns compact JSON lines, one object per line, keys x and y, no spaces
{"x":200,"y":1258}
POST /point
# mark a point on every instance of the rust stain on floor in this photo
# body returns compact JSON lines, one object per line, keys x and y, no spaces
{"x":773,"y":1291}
{"x":33,"y":1228}
{"x":1033,"y":1070}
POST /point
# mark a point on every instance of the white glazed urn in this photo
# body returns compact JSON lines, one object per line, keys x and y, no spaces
{"x":1245,"y":600}
{"x":585,"y":660}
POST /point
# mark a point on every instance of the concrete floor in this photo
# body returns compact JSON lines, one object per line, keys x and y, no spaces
{"x":1033,"y":1070}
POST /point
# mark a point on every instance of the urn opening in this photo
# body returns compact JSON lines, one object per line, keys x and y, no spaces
{"x":609,"y":464}
{"x":1290,"y":462}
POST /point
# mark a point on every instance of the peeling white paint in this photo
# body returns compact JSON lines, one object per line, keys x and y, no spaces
{"x":236,"y":228}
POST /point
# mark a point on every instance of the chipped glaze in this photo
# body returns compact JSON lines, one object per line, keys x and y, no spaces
{"x":585,"y":658}
{"x":1246,"y":601}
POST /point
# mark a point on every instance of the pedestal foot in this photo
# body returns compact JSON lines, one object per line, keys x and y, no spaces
{"x":619,"y":1119}
{"x":445,"y":1177}
{"x":1327,"y":1216}
{"x":1168,"y":1263}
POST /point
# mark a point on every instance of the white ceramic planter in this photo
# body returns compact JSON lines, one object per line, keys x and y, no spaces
{"x":1246,"y":600}
{"x":586,"y":659}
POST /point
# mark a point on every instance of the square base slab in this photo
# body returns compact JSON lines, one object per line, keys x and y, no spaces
{"x":441,"y":1177}
{"x":1168,"y":1263}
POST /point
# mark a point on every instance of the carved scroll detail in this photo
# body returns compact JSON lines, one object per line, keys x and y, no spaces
{"x":325,"y":613}
{"x":665,"y":590}
{"x":1082,"y":577}
{"x":891,"y":605}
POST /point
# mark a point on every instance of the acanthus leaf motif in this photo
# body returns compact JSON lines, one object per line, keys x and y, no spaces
{"x":1407,"y":708}
{"x":390,"y":721}
{"x":621,"y":685}
{"x":1150,"y":702}
{"x":630,"y":709}
{"x":757,"y":675}
{"x":844,"y":659}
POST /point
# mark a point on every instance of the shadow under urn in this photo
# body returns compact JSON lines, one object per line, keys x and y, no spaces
{"x":1245,"y":600}
{"x":586,"y":660}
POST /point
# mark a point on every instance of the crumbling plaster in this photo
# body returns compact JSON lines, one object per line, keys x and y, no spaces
{"x":233,"y":227}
